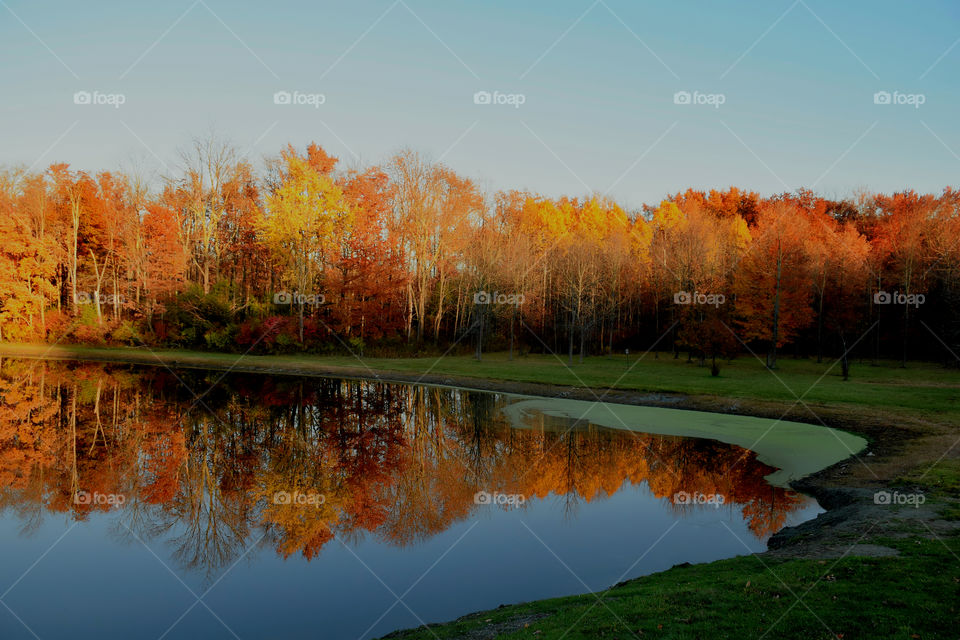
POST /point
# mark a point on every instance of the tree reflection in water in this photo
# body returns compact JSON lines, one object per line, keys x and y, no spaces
{"x":397,"y":462}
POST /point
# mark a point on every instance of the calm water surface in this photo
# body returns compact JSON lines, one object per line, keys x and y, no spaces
{"x":142,"y":503}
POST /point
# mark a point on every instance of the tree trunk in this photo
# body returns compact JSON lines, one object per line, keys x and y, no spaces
{"x":301,"y":320}
{"x":906,"y":326}
{"x":480,"y":318}
{"x":512,"y":314}
{"x":582,"y":340}
{"x":844,"y":360}
{"x":820,"y":324}
{"x":772,"y":355}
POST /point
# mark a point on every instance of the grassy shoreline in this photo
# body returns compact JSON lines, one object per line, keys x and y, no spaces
{"x":923,"y":387}
{"x":859,"y":570}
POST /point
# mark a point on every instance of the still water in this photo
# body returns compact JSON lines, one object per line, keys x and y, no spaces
{"x":146,"y":503}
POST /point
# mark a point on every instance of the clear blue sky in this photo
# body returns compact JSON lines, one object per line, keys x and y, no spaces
{"x":598,"y":78}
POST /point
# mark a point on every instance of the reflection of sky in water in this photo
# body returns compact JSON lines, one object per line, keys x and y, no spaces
{"x":92,"y":586}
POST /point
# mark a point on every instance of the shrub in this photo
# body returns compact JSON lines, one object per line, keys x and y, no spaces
{"x":188,"y":336}
{"x":127,"y":333}
{"x":285,"y":343}
{"x":221,"y":339}
{"x":86,"y":334}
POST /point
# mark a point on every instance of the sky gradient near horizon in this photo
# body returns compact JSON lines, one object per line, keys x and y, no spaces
{"x":788,"y":89}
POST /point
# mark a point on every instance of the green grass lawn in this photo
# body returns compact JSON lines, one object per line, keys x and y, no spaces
{"x":922,"y":386}
{"x":914,"y":595}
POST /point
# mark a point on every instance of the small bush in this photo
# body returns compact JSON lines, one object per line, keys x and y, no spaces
{"x":127,"y":334}
{"x":285,"y":343}
{"x":221,"y":339}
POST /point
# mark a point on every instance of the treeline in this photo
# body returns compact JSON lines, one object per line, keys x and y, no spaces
{"x":306,"y":255}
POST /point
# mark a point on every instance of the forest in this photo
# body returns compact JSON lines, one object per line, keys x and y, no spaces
{"x":411,"y":258}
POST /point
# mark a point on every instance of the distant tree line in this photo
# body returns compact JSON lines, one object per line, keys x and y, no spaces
{"x":410,"y":257}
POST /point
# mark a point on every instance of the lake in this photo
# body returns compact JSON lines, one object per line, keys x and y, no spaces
{"x":150,"y":503}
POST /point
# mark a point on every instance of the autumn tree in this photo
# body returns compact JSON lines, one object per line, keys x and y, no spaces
{"x":432,"y":211}
{"x":904,"y":232}
{"x":74,"y":192}
{"x":25,"y":270}
{"x":305,"y":223}
{"x":839,"y":272}
{"x":772,"y":282}
{"x":367,"y":280}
